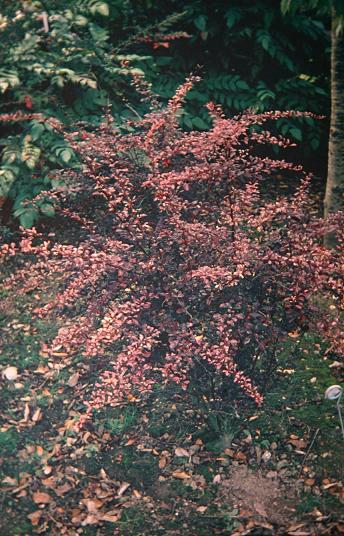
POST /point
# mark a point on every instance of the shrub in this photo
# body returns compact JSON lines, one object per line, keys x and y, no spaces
{"x":252,"y":57}
{"x":183,"y":273}
{"x":62,"y":59}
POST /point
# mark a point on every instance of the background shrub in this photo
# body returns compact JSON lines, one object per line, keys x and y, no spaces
{"x":250,"y":57}
{"x":59,"y":60}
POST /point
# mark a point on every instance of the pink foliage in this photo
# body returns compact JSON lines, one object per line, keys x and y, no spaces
{"x":182,"y":266}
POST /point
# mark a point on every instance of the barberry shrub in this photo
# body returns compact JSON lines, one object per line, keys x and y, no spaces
{"x":182,"y":272}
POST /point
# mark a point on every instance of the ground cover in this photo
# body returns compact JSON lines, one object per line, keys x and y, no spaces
{"x":166,"y":465}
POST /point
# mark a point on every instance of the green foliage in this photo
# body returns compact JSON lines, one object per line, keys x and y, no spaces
{"x":118,"y":421}
{"x":333,"y":8}
{"x":27,"y":159}
{"x":251,"y":56}
{"x":70,"y":72}
{"x":8,"y":441}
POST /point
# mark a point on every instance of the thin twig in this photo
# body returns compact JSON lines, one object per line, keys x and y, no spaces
{"x":133,"y":110}
{"x":308,"y":451}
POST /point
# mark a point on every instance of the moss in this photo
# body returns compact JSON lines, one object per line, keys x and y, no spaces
{"x":9,"y":441}
{"x":326,"y":503}
{"x":117,"y":421}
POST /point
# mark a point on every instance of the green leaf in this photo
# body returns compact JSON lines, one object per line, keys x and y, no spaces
{"x":47,"y":209}
{"x":66,"y":155}
{"x":28,"y":218}
{"x":37,"y":130}
{"x":7,"y":178}
{"x":242,"y":84}
{"x":80,"y":20}
{"x":99,"y":34}
{"x":286,"y":6}
{"x":199,"y":123}
{"x":164,"y":60}
{"x":233,"y":15}
{"x":264,"y":94}
{"x":264,"y":39}
{"x":315,"y":142}
{"x":8,"y":78}
{"x":56,"y":183}
{"x":201,"y":22}
{"x":296,"y":133}
{"x":186,"y":120}
{"x":102,"y":8}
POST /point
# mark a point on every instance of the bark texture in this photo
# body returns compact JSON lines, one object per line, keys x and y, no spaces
{"x":334,"y":197}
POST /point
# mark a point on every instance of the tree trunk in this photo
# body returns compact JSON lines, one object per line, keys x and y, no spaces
{"x":334,"y":197}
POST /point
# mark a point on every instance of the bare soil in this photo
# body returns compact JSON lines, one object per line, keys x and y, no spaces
{"x":257,"y":495}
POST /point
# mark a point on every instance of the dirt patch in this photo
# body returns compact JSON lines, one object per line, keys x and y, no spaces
{"x":257,"y":495}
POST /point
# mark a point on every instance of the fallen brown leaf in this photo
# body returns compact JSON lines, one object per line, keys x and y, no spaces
{"x":112,"y":516}
{"x":182,"y":475}
{"x":35,"y":517}
{"x":42,"y":370}
{"x":49,"y":482}
{"x":162,"y":462}
{"x":332,"y":484}
{"x":297,"y":530}
{"x":336,"y":364}
{"x":123,"y":487}
{"x":76,"y":515}
{"x":26,"y":412}
{"x":298,"y":443}
{"x":299,"y":533}
{"x":180,"y":452}
{"x":37,"y":415}
{"x":73,"y":380}
{"x":93,"y":505}
{"x":294,"y":334}
{"x":40,"y":497}
{"x":61,"y":490}
{"x":10,"y":373}
{"x":266,"y":456}
{"x":240,"y":456}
